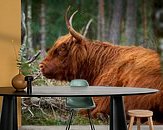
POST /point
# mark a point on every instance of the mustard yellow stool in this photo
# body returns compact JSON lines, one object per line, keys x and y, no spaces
{"x":139,"y":114}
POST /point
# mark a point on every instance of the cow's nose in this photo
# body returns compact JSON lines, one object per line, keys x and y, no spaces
{"x":41,"y":66}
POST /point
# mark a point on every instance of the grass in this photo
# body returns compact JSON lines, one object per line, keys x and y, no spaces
{"x":59,"y":118}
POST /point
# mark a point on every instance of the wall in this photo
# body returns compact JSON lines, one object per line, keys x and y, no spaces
{"x":10,"y":29}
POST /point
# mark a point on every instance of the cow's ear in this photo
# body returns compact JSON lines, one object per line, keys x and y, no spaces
{"x":79,"y":41}
{"x":74,"y":40}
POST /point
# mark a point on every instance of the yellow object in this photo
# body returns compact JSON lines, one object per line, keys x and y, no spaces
{"x":10,"y":29}
{"x":140,"y":114}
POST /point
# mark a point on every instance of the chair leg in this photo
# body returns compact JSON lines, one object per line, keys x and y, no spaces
{"x":138,"y":123}
{"x":131,"y":123}
{"x":150,"y":123}
{"x":90,"y":120}
{"x":70,"y":120}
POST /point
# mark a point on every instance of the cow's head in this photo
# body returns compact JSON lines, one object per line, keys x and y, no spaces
{"x":66,"y":56}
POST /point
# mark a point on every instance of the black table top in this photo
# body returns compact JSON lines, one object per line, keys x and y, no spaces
{"x":66,"y":91}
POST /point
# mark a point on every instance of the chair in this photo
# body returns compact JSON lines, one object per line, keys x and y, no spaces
{"x":77,"y":103}
{"x":140,"y":114}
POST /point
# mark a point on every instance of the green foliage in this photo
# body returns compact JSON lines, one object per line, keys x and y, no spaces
{"x":40,"y":119}
{"x":47,"y":119}
{"x":22,"y":61}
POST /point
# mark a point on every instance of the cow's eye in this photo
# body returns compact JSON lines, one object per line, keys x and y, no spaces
{"x":62,"y":51}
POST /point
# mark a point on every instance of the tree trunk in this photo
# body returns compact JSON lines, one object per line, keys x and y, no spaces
{"x":29,"y":29}
{"x":108,"y":19}
{"x":43,"y":28}
{"x":114,"y":32}
{"x":23,"y":28}
{"x":144,"y":18}
{"x":101,"y":21}
{"x":130,"y":28}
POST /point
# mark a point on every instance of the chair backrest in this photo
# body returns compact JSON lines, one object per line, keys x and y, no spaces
{"x":79,"y":102}
{"x":79,"y":83}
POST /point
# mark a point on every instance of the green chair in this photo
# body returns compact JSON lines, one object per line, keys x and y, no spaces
{"x":77,"y":103}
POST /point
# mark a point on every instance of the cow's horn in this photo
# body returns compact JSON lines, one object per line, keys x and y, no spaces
{"x":72,"y":31}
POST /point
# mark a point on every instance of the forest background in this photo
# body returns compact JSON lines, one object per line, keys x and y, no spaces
{"x":122,"y":22}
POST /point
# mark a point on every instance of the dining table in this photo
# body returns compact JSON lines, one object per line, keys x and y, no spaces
{"x":117,"y":111}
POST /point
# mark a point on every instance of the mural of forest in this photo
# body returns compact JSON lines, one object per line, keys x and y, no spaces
{"x":122,"y":22}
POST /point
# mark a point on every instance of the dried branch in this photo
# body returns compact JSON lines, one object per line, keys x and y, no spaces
{"x":43,"y":102}
{"x":37,"y":75}
{"x":34,"y":57}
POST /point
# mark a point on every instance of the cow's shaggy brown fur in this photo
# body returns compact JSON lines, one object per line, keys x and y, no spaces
{"x":106,"y":64}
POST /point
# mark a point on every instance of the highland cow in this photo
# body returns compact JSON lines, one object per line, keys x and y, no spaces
{"x":104,"y":64}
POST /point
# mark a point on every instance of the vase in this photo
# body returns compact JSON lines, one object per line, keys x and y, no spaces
{"x":18,"y":82}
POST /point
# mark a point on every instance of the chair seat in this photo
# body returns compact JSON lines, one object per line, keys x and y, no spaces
{"x":140,"y":113}
{"x":80,"y":103}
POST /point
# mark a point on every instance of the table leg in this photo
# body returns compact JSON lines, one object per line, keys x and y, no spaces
{"x":117,"y":114}
{"x":9,"y":113}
